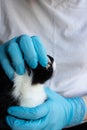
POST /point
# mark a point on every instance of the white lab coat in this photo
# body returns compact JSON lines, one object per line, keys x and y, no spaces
{"x":62,"y":27}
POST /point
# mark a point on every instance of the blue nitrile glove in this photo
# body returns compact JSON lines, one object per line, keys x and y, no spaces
{"x":32,"y":50}
{"x":56,"y":113}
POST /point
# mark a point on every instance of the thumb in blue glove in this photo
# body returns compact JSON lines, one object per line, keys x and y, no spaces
{"x":56,"y":113}
{"x":15,"y":51}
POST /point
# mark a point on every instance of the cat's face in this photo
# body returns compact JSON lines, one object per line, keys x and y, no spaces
{"x":42,"y":74}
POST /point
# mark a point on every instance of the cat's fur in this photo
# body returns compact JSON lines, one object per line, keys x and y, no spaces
{"x":25,"y":90}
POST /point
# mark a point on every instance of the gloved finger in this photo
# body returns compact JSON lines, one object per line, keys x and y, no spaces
{"x":16,"y":57}
{"x":5,"y":63}
{"x":40,"y":50}
{"x":28,"y":50}
{"x":29,"y":113}
{"x":9,"y":71}
{"x":18,"y":124}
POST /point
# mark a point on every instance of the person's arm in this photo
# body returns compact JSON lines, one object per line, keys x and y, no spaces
{"x":56,"y":113}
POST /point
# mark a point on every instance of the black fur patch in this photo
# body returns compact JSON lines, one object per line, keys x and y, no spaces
{"x":42,"y":74}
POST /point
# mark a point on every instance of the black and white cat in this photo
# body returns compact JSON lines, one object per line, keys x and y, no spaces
{"x":26,"y":90}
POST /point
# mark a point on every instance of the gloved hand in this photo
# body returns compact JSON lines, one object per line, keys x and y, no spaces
{"x":56,"y":113}
{"x":19,"y":49}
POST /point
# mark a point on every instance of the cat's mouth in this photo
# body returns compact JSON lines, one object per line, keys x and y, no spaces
{"x":41,"y":74}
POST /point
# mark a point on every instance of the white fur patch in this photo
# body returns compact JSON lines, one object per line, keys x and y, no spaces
{"x":28,"y":95}
{"x":54,"y":66}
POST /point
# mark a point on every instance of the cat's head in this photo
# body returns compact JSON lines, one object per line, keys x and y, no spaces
{"x":42,"y":74}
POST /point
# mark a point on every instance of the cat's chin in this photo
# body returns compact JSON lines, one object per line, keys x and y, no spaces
{"x":25,"y":93}
{"x":36,"y":97}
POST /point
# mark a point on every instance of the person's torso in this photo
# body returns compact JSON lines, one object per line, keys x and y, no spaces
{"x":62,"y":26}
